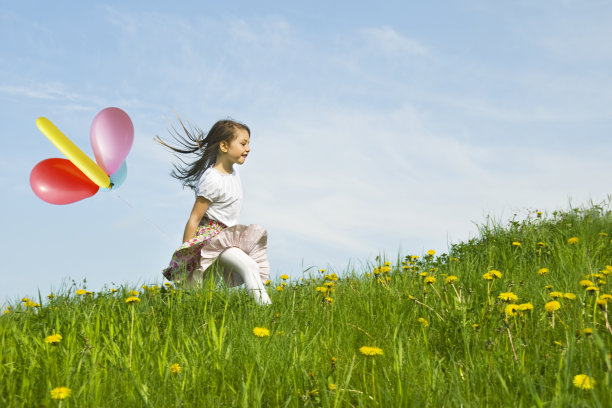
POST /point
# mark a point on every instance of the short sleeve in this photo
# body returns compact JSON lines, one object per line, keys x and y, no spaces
{"x":208,"y":187}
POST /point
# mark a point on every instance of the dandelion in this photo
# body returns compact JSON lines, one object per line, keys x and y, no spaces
{"x":387,"y":263}
{"x":51,"y":296}
{"x":53,"y":339}
{"x":552,"y":306}
{"x":492,"y":274}
{"x":328,"y":284}
{"x":334,"y":277}
{"x":385,"y":269}
{"x":331,"y":387}
{"x":586,"y":283}
{"x":280,"y":288}
{"x":569,"y":296}
{"x":431,"y":252}
{"x":548,"y":287}
{"x":525,"y":307}
{"x":573,"y":240}
{"x":283,"y":284}
{"x":605,"y":297}
{"x":134,"y":292}
{"x":510,"y":310}
{"x":322,"y":270}
{"x":371,"y":351}
{"x":430,"y":280}
{"x":583,"y":381}
{"x":423,"y":274}
{"x":508,"y":297}
{"x":267,"y":283}
{"x":451,"y":279}
{"x":588,"y":331}
{"x":176,"y":368}
{"x":329,"y":300}
{"x":30,"y":303}
{"x":516,"y":244}
{"x":113,"y":290}
{"x":261,"y":332}
{"x":603,"y":234}
{"x":25,"y":299}
{"x":543,"y":271}
{"x":60,"y":393}
{"x":321,"y":289}
{"x":132,"y":299}
{"x":81,"y":292}
{"x":591,"y":289}
{"x":539,"y":214}
{"x":556,"y":295}
{"x":284,"y":277}
{"x":541,"y":244}
{"x":423,"y":321}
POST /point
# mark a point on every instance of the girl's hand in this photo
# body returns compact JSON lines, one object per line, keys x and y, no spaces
{"x":197,"y":212}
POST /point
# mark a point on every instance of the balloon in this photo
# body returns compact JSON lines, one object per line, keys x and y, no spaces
{"x":111,"y":136}
{"x":73,"y":153}
{"x":117,"y":178}
{"x":59,"y":181}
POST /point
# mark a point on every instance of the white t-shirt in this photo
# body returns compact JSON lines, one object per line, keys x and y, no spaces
{"x":224,"y":191}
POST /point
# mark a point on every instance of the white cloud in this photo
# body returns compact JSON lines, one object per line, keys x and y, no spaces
{"x":391,"y":43}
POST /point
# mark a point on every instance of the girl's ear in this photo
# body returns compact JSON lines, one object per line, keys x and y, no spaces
{"x":223,"y":146}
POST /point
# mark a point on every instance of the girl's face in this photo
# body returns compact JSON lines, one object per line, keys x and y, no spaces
{"x":238,"y":149}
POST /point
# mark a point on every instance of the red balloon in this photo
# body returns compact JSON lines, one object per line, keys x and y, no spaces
{"x":58,"y":181}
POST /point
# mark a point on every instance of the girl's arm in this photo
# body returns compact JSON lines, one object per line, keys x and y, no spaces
{"x":197,"y":212}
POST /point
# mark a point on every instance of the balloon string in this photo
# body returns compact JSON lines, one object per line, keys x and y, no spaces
{"x":142,"y":215}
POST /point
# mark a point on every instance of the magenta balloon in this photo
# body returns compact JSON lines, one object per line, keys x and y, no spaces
{"x":111,"y":136}
{"x":58,"y":181}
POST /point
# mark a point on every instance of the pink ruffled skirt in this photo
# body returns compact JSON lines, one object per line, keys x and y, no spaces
{"x":190,"y":263}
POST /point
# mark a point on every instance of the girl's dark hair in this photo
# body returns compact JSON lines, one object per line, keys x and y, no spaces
{"x":204,"y":146}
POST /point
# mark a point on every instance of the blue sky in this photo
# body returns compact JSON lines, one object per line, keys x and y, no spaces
{"x":394,"y":127}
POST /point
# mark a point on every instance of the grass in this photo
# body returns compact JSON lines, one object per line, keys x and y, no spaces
{"x":432,"y":343}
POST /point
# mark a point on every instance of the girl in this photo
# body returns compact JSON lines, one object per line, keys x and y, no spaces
{"x":212,"y":230}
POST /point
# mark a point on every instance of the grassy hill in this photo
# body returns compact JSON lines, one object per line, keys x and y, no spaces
{"x":515,"y":317}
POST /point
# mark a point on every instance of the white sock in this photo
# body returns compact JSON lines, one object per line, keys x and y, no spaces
{"x":236,"y":260}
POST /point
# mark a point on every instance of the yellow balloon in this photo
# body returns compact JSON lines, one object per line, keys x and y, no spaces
{"x":73,"y":153}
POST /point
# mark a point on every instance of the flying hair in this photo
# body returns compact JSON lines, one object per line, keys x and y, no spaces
{"x":190,"y":140}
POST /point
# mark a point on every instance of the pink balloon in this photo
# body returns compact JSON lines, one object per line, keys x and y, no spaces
{"x":58,"y":181}
{"x":111,"y":136}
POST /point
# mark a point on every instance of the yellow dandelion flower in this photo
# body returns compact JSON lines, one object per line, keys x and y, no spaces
{"x":385,"y":269}
{"x":583,"y":381}
{"x":525,"y":307}
{"x":376,"y":271}
{"x":430,"y":280}
{"x":603,"y":234}
{"x":591,"y":289}
{"x":176,"y":368}
{"x":134,"y":292}
{"x":329,"y":300}
{"x":414,"y":257}
{"x":601,"y":282}
{"x":586,"y":283}
{"x":25,"y":299}
{"x":283,"y":284}
{"x":267,"y":283}
{"x":539,"y":214}
{"x":113,"y":290}
{"x":334,"y":277}
{"x":606,"y":297}
{"x":388,"y":278}
{"x":516,"y":244}
{"x":423,"y":274}
{"x":423,"y":321}
{"x":284,"y":277}
{"x":81,"y":292}
{"x":431,"y":252}
{"x":543,"y":271}
{"x":541,"y":244}
{"x":60,"y":393}
{"x":451,"y":279}
{"x":552,"y":306}
{"x":280,"y":288}
{"x":556,"y":295}
{"x":573,"y":240}
{"x":508,"y":297}
{"x":569,"y":296}
{"x":331,"y":387}
{"x":261,"y":332}
{"x":132,"y":299}
{"x":387,"y":263}
{"x":588,"y":331}
{"x":371,"y":351}
{"x":321,"y":289}
{"x":30,"y":303}
{"x":548,"y":287}
{"x":510,"y":310}
{"x":322,"y":270}
{"x":51,"y":296}
{"x":53,"y":339}
{"x":331,"y":283}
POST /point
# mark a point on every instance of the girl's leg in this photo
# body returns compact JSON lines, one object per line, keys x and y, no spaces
{"x":236,"y":260}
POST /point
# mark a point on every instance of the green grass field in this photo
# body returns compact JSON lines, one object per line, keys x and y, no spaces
{"x":516,"y":317}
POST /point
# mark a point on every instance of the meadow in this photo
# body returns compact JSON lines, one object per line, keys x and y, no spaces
{"x":515,"y":317}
